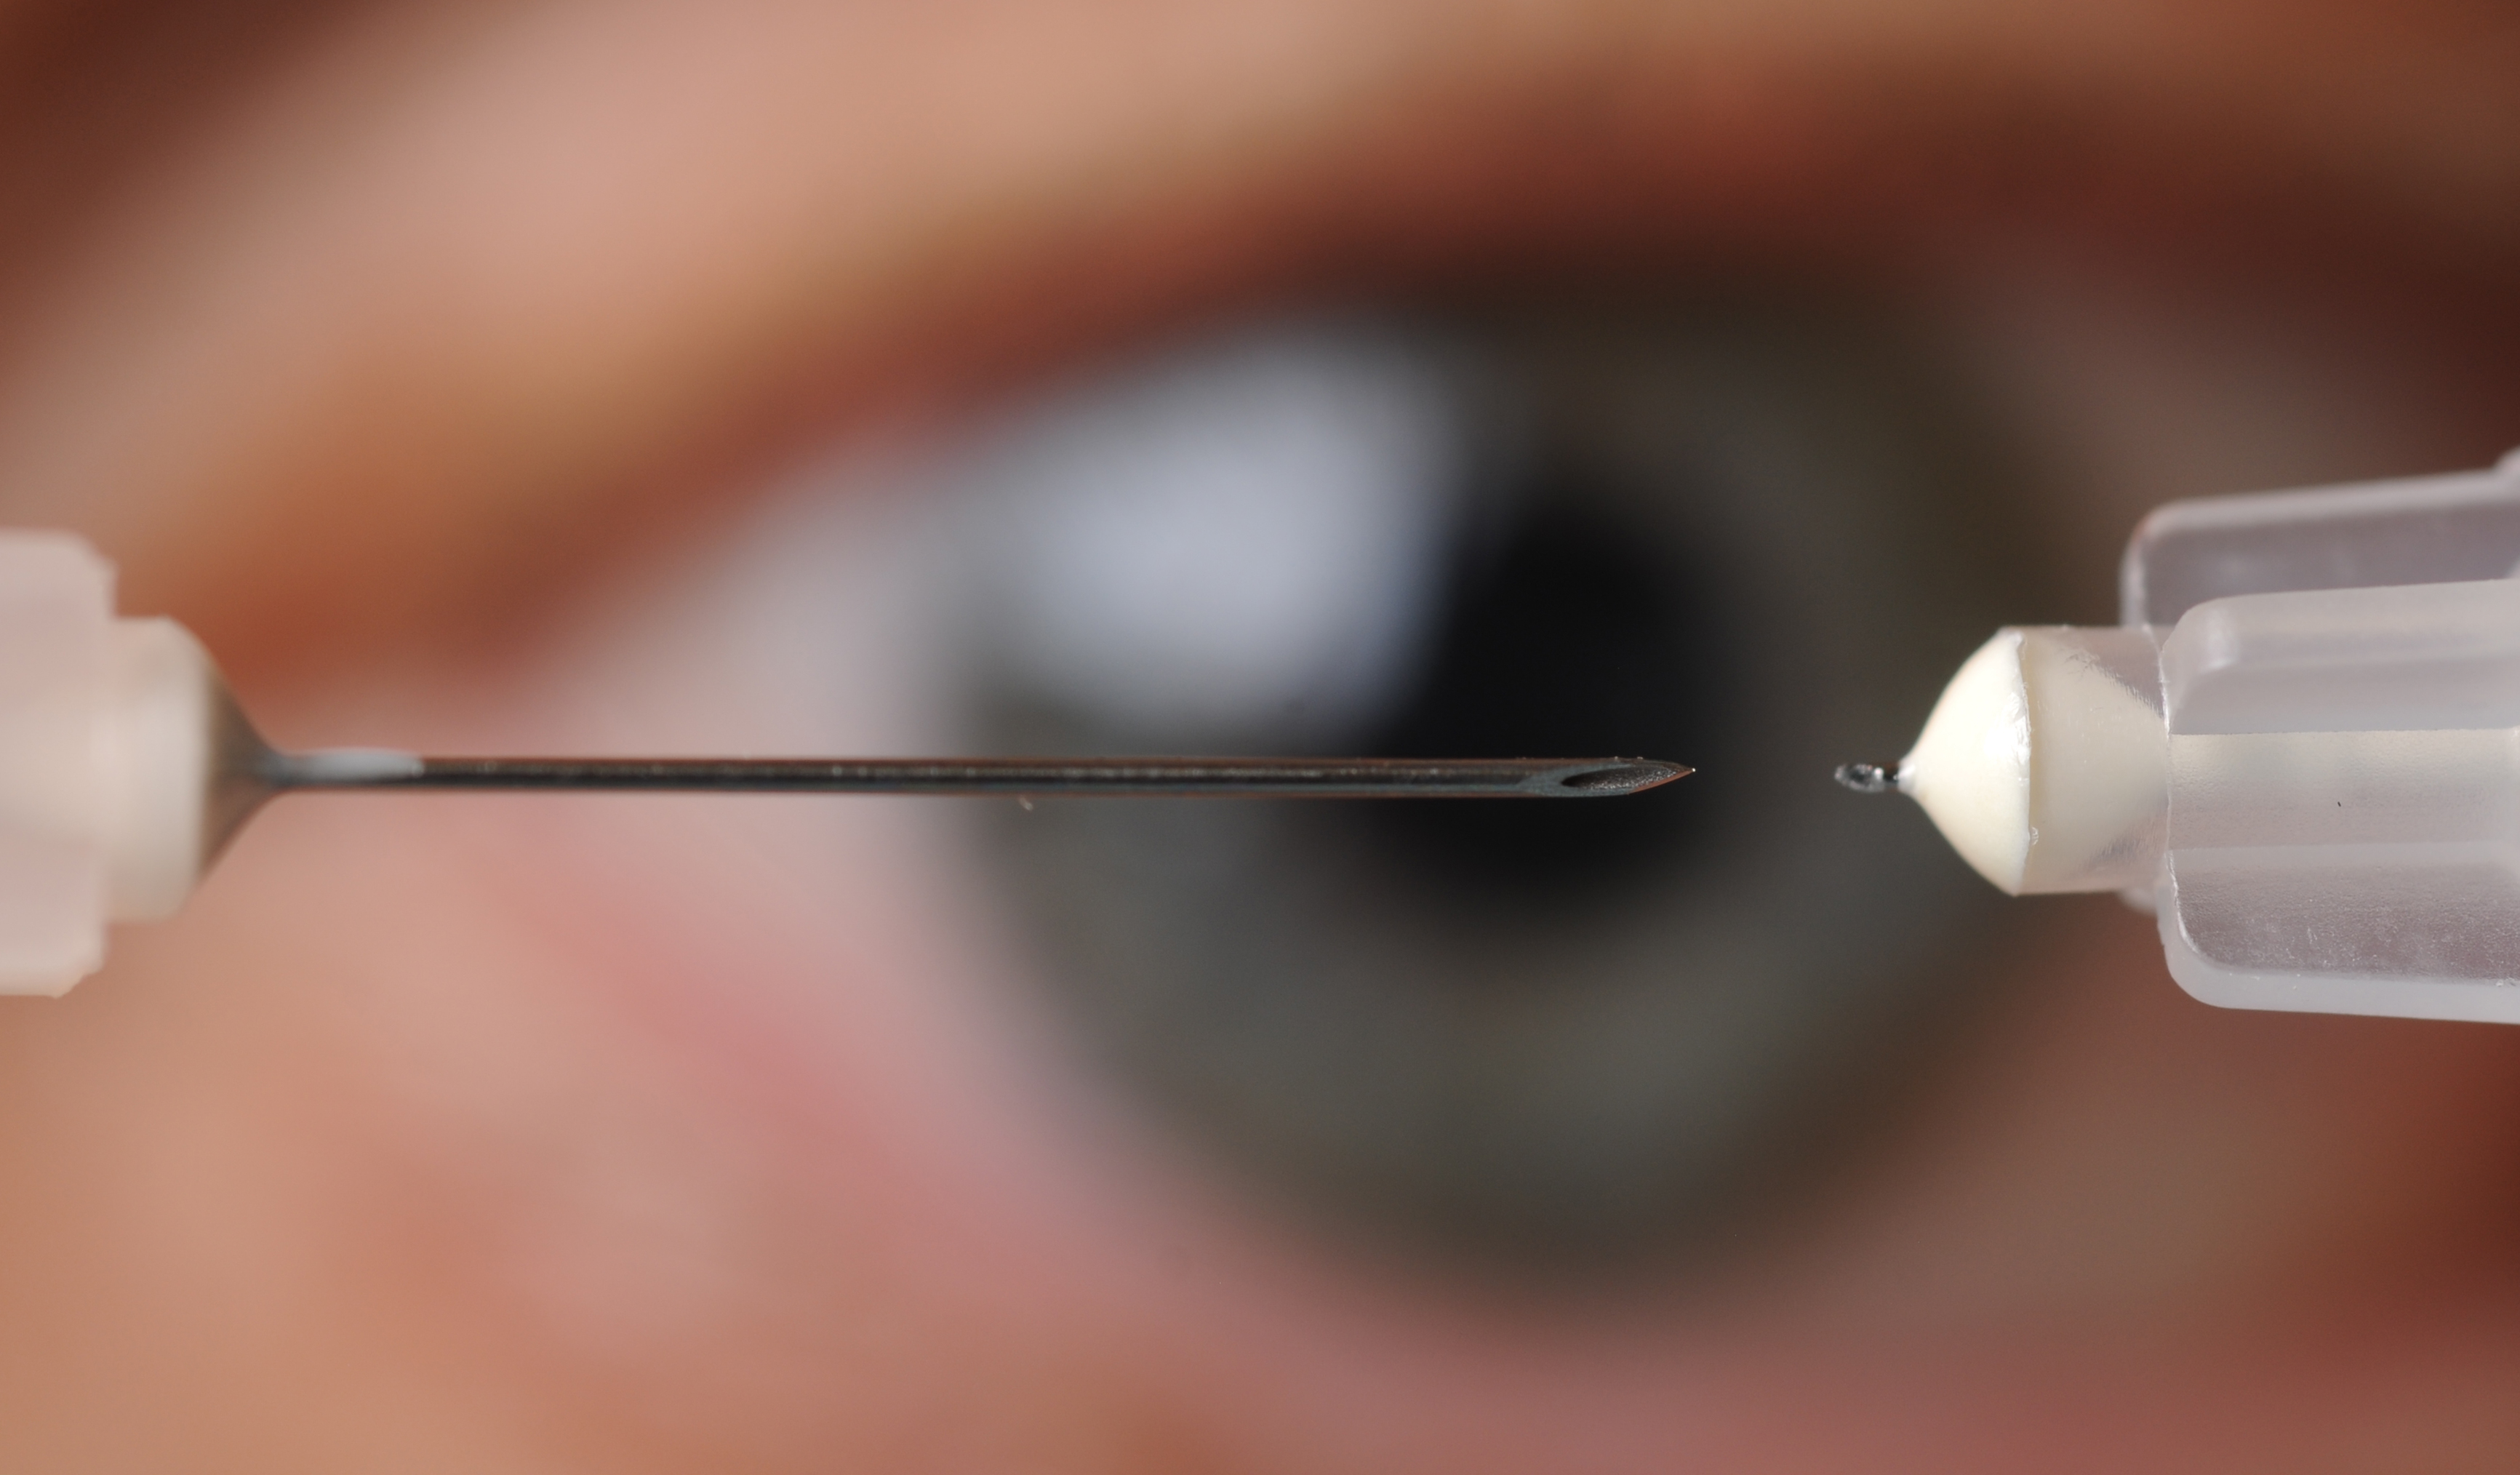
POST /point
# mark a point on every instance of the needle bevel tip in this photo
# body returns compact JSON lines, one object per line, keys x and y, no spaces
{"x":1621,"y":776}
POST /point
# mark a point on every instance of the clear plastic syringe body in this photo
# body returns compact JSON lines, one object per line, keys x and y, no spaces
{"x":2312,"y":777}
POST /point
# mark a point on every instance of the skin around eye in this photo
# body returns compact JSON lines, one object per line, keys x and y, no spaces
{"x":412,"y":363}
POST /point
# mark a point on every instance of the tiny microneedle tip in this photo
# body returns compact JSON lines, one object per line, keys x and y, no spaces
{"x":1868,"y":778}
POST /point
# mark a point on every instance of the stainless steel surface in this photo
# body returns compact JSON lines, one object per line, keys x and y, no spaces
{"x":1034,"y":777}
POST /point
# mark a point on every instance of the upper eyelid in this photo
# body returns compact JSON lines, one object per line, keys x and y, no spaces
{"x":309,"y":366}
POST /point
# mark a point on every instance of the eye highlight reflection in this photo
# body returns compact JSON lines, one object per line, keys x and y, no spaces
{"x":1740,"y":536}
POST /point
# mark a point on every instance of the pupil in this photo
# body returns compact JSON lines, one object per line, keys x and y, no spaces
{"x":1573,"y":635}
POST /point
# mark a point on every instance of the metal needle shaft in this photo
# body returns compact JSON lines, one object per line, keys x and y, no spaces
{"x":1041,"y":778}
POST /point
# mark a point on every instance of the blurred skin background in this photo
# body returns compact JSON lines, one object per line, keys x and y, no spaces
{"x":639,"y":377}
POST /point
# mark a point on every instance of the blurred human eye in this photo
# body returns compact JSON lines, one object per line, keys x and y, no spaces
{"x":1741,"y":528}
